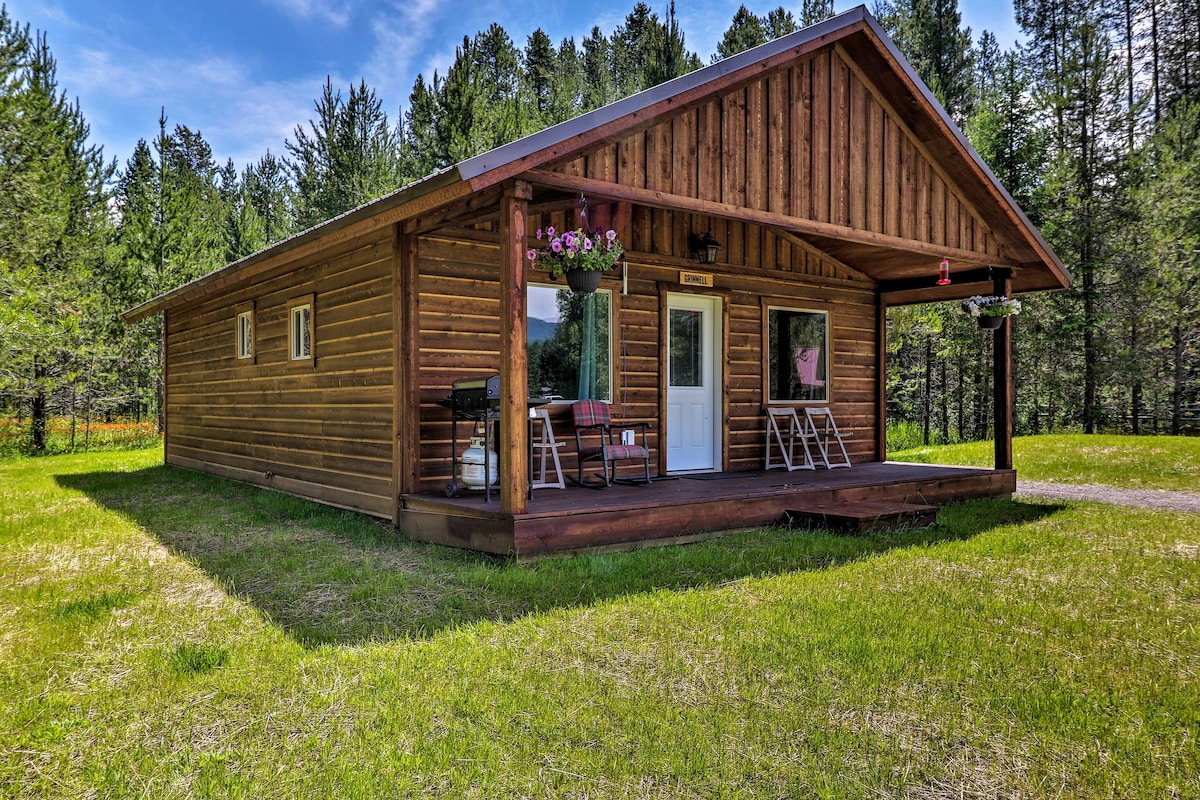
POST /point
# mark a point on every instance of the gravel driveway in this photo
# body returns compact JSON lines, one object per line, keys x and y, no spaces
{"x":1147,"y":498}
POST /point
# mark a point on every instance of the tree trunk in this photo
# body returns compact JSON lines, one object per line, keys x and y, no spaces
{"x":1178,"y":375}
{"x":944,"y":402}
{"x":927,"y":399}
{"x":961,"y":398}
{"x":1135,"y":381}
{"x":37,"y":412}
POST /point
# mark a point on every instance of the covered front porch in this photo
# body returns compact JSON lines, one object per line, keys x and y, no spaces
{"x":681,"y":507}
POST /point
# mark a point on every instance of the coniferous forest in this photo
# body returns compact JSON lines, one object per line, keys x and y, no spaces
{"x":1093,"y":126}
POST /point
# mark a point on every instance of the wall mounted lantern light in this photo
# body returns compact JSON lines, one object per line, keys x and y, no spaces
{"x":704,"y":247}
{"x":944,"y":272}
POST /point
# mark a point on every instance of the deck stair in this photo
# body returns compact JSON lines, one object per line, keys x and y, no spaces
{"x":863,"y":516}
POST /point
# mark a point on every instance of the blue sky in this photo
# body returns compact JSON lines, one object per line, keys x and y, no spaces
{"x":245,"y":72}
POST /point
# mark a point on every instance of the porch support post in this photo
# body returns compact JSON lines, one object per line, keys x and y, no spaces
{"x":1002,"y":387}
{"x":880,"y":377}
{"x":406,"y":366}
{"x":514,"y":355}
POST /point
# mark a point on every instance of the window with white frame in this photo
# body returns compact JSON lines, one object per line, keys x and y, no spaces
{"x":245,"y":334}
{"x":300,"y":334}
{"x":797,"y":345}
{"x":570,"y":343}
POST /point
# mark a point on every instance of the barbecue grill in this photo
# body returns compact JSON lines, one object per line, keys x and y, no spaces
{"x":476,"y":400}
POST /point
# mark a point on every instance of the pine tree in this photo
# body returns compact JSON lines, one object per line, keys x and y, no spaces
{"x":599,"y":88}
{"x":346,"y":157}
{"x":814,"y":11}
{"x":631,"y":49}
{"x":52,"y":230}
{"x":930,"y":35}
{"x":422,"y":152}
{"x":269,"y":193}
{"x":780,"y":22}
{"x":668,"y":56}
{"x":497,"y":81}
{"x":744,"y":32}
{"x":539,"y":63}
{"x":1168,"y":202}
{"x":459,"y":109}
{"x":567,"y":87}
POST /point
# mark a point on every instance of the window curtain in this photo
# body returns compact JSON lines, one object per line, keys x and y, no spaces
{"x":588,"y":390}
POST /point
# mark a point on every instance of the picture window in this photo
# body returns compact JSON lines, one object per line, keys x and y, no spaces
{"x":570,"y":343}
{"x":797,"y":355}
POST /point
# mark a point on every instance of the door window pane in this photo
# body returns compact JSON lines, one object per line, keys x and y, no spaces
{"x":686,"y":350}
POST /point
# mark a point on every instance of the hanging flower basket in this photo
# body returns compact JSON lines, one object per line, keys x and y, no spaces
{"x":581,"y":256}
{"x":990,"y":311}
{"x":583,"y":281}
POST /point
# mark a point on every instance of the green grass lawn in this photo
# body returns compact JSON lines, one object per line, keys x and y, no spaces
{"x":1135,"y":462}
{"x":165,"y":634}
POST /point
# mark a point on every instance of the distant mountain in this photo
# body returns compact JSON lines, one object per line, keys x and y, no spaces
{"x":540,"y":330}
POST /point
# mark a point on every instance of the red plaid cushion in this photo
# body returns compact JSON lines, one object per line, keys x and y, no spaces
{"x":591,"y":412}
{"x":616,"y":452}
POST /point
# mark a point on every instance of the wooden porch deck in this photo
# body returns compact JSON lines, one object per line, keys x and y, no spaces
{"x":575,"y":518}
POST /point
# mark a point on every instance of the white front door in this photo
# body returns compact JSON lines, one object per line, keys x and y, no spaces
{"x":693,"y":383}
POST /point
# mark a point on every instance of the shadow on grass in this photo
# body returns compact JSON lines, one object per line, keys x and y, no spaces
{"x":335,"y":577}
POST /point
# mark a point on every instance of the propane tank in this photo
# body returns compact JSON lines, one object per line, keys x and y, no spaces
{"x":473,"y":465}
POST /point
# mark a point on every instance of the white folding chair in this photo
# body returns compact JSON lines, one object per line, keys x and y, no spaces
{"x":542,"y":445}
{"x":825,"y":430}
{"x":794,"y":431}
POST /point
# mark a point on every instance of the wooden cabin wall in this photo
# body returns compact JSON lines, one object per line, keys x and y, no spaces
{"x":322,"y":430}
{"x":459,"y":309}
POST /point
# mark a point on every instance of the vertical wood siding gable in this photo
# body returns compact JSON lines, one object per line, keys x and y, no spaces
{"x":814,"y":140}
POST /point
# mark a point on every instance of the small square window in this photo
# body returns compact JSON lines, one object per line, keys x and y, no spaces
{"x":245,"y":334}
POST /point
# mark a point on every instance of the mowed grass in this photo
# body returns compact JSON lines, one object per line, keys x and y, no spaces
{"x":165,"y":634}
{"x":1134,"y":462}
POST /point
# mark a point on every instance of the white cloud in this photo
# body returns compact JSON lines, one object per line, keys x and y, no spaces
{"x":402,"y":31}
{"x":240,"y":117}
{"x":335,"y":12}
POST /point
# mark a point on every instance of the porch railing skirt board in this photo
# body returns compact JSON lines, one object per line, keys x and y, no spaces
{"x":575,"y":519}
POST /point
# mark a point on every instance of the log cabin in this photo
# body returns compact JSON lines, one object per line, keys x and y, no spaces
{"x":819,"y":171}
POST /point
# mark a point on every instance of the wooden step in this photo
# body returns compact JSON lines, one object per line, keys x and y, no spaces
{"x":863,"y":516}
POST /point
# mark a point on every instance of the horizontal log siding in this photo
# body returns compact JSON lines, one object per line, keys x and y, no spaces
{"x":322,"y":431}
{"x":459,"y":337}
{"x":814,"y":141}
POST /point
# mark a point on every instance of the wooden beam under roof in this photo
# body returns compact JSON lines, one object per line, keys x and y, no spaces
{"x":798,"y":225}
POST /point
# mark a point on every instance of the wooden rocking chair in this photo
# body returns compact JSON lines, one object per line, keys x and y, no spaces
{"x":593,"y":417}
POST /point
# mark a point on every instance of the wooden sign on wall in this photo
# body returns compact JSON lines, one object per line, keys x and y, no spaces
{"x":696,"y":279}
